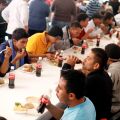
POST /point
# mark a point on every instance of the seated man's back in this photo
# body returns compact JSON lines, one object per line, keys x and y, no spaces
{"x":84,"y":111}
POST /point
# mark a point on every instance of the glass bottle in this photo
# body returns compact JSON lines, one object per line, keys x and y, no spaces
{"x":11,"y":78}
{"x":39,"y":67}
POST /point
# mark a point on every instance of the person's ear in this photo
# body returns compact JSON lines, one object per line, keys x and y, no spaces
{"x":96,"y":66}
{"x":14,"y":41}
{"x":71,"y":96}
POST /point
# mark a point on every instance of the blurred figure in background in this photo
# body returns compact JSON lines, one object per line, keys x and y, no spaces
{"x":93,"y":7}
{"x":115,"y":6}
{"x":16,"y":15}
{"x":49,"y":2}
{"x":113,"y":52}
{"x":108,"y":23}
{"x":38,"y":11}
{"x":3,"y":24}
{"x":94,"y":24}
{"x":64,"y":11}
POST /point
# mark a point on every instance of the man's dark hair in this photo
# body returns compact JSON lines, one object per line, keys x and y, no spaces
{"x":55,"y":31}
{"x":3,"y":2}
{"x":108,"y":15}
{"x":100,"y":57}
{"x":75,"y":82}
{"x":75,"y":24}
{"x":82,"y":17}
{"x":2,"y":118}
{"x":113,"y":52}
{"x":97,"y":15}
{"x":19,"y":33}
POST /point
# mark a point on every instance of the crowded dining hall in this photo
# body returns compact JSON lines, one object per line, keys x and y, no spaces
{"x":59,"y":60}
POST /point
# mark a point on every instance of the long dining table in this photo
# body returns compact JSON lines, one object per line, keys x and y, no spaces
{"x":27,"y":84}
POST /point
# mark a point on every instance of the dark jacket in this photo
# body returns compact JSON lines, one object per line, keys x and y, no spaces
{"x":3,"y":27}
{"x":99,"y":91}
{"x":115,"y":6}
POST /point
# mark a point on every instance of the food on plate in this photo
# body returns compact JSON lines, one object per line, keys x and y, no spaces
{"x":76,"y":48}
{"x":28,"y":68}
{"x":19,"y":107}
{"x":32,"y":99}
{"x":23,"y":107}
{"x":29,"y":106}
{"x":2,"y":81}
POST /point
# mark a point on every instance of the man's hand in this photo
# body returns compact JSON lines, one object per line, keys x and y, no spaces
{"x":20,"y":55}
{"x":90,"y":30}
{"x":8,"y":52}
{"x":45,"y":100}
{"x":49,"y":56}
{"x":71,"y":60}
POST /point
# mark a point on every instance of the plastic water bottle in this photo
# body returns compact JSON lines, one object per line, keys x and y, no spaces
{"x":11,"y":78}
{"x":39,"y":67}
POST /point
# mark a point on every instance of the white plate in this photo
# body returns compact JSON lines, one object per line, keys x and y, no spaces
{"x":20,"y":112}
{"x":32,"y":99}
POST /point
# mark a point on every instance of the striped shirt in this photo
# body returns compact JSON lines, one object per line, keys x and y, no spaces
{"x":93,"y":7}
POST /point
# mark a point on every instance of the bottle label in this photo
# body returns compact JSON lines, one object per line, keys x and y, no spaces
{"x":11,"y":76}
{"x":84,"y":46}
{"x":38,"y":66}
{"x":44,"y":100}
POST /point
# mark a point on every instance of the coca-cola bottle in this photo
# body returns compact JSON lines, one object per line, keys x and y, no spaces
{"x":42,"y":105}
{"x":117,"y":35}
{"x":39,"y":67}
{"x":60,"y":59}
{"x":11,"y":78}
{"x":110,"y":34}
{"x":84,"y":46}
{"x":98,"y":40}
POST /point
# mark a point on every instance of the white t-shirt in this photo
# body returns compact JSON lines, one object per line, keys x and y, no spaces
{"x":117,"y":18}
{"x":96,"y":30}
{"x":16,"y":15}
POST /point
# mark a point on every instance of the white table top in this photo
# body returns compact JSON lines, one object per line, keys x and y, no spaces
{"x":27,"y":84}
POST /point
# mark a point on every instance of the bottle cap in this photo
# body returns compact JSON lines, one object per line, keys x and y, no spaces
{"x":40,"y":58}
{"x":44,"y":100}
{"x":61,"y":52}
{"x":12,"y":67}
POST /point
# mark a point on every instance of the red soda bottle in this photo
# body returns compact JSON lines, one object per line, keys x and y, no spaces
{"x":11,"y":78}
{"x":117,"y":35}
{"x":60,"y":60}
{"x":84,"y":46}
{"x":39,"y":67}
{"x":98,"y":40}
{"x":42,"y":105}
